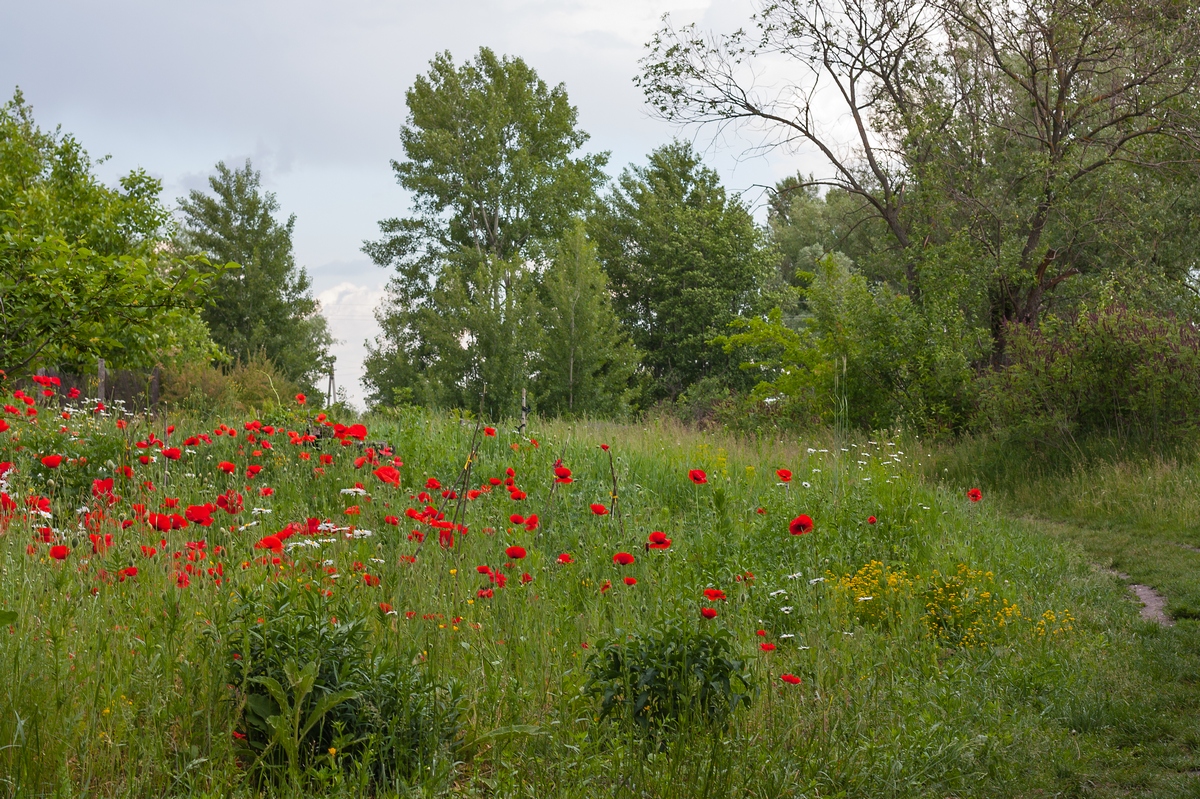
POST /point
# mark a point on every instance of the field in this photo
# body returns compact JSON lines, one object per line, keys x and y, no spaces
{"x":422,"y":604}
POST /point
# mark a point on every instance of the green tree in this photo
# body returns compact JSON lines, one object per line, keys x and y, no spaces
{"x":266,"y":306}
{"x":586,"y":360}
{"x":85,"y":269}
{"x":684,"y":259}
{"x":491,"y":163}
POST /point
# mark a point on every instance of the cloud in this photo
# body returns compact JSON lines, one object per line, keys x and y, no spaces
{"x":350,"y":309}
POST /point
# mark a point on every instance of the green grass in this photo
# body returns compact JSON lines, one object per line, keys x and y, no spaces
{"x":1136,"y":513}
{"x":130,"y":688}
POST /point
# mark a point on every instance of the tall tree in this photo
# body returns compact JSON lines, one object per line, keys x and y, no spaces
{"x":586,"y":360}
{"x":989,"y":137}
{"x":267,"y":305}
{"x":683,"y":259}
{"x":492,"y":164}
{"x":85,"y":272}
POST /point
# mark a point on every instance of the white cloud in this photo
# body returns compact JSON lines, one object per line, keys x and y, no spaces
{"x":350,"y":309}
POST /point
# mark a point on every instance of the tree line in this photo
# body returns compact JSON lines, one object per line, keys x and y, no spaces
{"x":1014,"y":177}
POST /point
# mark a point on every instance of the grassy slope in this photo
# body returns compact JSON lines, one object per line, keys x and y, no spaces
{"x":124,"y":692}
{"x":1139,"y":516}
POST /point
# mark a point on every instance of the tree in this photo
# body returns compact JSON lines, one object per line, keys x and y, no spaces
{"x":683,"y":259}
{"x":586,"y":360}
{"x":85,"y":270}
{"x":267,"y":305}
{"x":999,"y":129}
{"x":491,"y":163}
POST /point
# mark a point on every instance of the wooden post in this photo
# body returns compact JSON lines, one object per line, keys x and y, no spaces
{"x":100,"y":377}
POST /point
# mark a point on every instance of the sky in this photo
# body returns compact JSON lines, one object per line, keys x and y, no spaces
{"x":313,"y":94}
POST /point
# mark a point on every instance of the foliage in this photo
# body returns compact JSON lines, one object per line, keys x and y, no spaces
{"x":85,"y":270}
{"x":266,"y":305}
{"x":490,"y":162}
{"x":862,"y":354}
{"x":994,"y":130}
{"x":683,"y":260}
{"x":586,"y":359}
{"x":310,"y":686}
{"x":1112,"y":371}
{"x":256,"y":383}
{"x":667,"y":677}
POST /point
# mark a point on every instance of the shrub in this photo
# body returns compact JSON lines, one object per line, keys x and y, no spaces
{"x":1109,"y":372}
{"x":309,"y":685}
{"x":658,"y":680}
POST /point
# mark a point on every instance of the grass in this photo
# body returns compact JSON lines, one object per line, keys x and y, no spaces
{"x":1136,"y":513}
{"x":138,"y":686}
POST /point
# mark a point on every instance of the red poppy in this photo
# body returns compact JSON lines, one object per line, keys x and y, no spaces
{"x":562,"y":472}
{"x":433,"y":484}
{"x":490,"y":432}
{"x":767,"y":646}
{"x":870,"y":520}
{"x":784,"y":475}
{"x":790,"y":679}
{"x":630,"y":581}
{"x":565,"y":558}
{"x":801,"y":524}
{"x":623,"y":559}
{"x":252,"y":471}
{"x":386,"y":609}
{"x":270,"y":542}
{"x":526,"y":578}
{"x":227,"y":467}
{"x":515,"y":553}
{"x":353,"y":510}
{"x":389,"y":474}
{"x":760,"y":633}
{"x":714,"y":594}
{"x":52,"y":461}
{"x":172,"y":453}
{"x":301,"y":399}
{"x":531,"y":522}
{"x":517,"y":518}
{"x":604,"y":447}
{"x":59,"y":552}
{"x":659,"y":540}
{"x":698,"y":476}
{"x":974,"y":494}
{"x":607,"y":584}
{"x":599,"y":510}
{"x":371,"y":580}
{"x":326,"y":460}
{"x":266,"y":491}
{"x":708,"y":613}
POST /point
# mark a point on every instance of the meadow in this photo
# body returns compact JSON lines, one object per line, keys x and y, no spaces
{"x":429,"y":604}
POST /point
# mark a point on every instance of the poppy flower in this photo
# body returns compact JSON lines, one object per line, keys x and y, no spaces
{"x":490,"y":432}
{"x":52,"y":461}
{"x":326,"y":460}
{"x":565,"y":558}
{"x":604,"y":447}
{"x":801,"y":524}
{"x":974,"y":494}
{"x":301,"y":399}
{"x":433,"y":484}
{"x":760,"y":633}
{"x":371,"y":580}
{"x":172,"y":453}
{"x":785,"y":475}
{"x":531,"y":523}
{"x":714,"y":594}
{"x":630,"y":581}
{"x":708,"y":613}
{"x":252,"y":471}
{"x":767,"y":646}
{"x":515,"y":553}
{"x":658,"y":540}
{"x":227,"y":467}
{"x":698,"y":476}
{"x":388,"y":474}
{"x":562,"y":472}
{"x":59,"y":552}
{"x":623,"y":559}
{"x":790,"y":679}
{"x":607,"y":584}
{"x":386,"y":609}
{"x":270,"y":542}
{"x":870,"y":520}
{"x":517,"y":518}
{"x":526,"y":578}
{"x":266,"y":491}
{"x":599,"y":510}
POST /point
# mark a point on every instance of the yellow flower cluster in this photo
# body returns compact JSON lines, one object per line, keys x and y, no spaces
{"x":962,"y":609}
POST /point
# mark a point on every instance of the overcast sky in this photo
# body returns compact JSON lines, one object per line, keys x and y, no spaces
{"x":313,"y":93}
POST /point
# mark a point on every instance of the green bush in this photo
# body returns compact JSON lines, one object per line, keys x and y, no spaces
{"x":311,"y":692}
{"x":1112,"y":372}
{"x":661,"y":679}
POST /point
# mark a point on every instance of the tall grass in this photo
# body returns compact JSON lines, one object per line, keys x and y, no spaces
{"x":124,"y":687}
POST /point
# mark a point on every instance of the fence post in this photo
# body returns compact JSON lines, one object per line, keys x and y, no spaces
{"x":100,"y":377}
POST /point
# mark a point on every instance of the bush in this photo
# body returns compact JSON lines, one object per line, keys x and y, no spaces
{"x":1111,"y":372}
{"x":257,"y":384}
{"x":310,"y":689}
{"x":658,"y":680}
